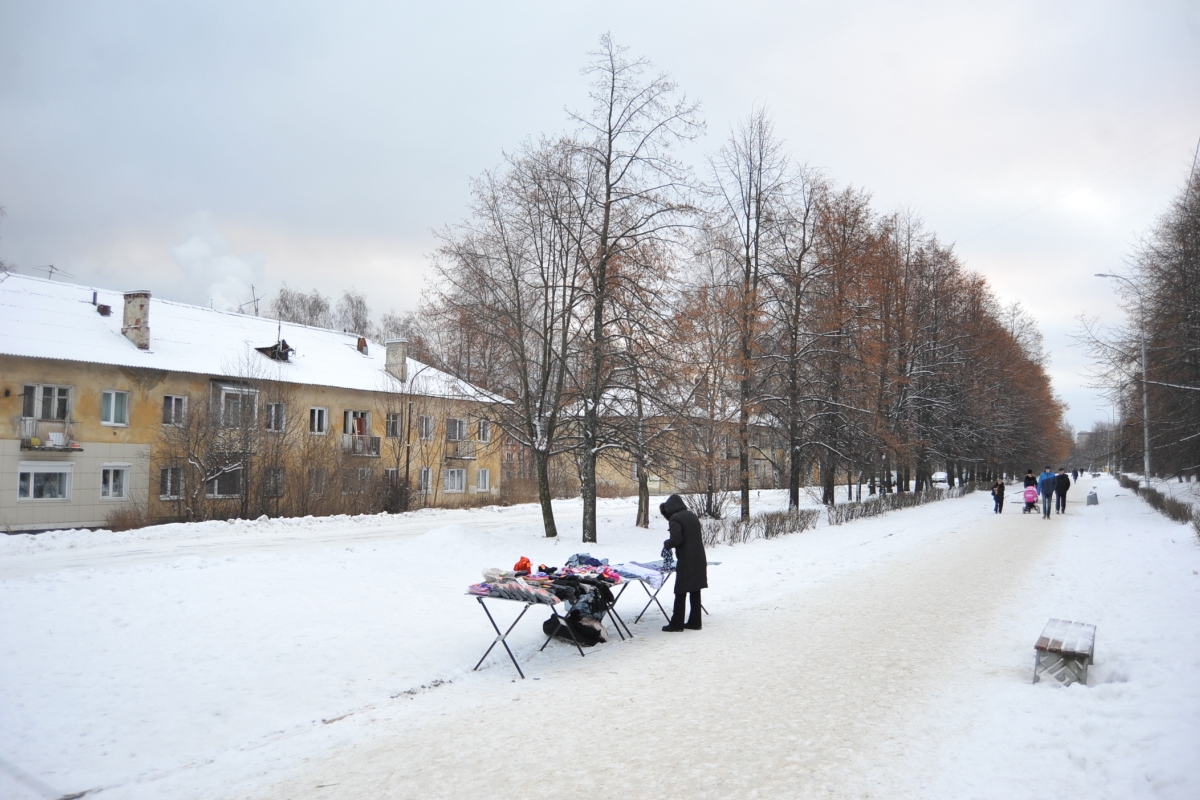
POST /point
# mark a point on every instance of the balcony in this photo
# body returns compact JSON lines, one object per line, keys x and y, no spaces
{"x":461,"y":450}
{"x":361,"y":445}
{"x":47,"y":436}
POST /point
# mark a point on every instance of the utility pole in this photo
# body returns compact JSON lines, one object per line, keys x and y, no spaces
{"x":1145,"y":364}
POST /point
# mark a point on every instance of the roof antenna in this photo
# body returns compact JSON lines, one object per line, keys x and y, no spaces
{"x":52,"y":270}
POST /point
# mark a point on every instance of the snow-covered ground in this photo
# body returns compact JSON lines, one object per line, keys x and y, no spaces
{"x":890,"y":657}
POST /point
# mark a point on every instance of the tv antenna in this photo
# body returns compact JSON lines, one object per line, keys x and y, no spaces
{"x":52,"y":270}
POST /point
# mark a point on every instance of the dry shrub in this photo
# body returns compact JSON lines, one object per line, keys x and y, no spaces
{"x":127,"y":517}
{"x":764,"y":526}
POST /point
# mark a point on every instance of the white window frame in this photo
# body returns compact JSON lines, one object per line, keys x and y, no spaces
{"x":456,"y":477}
{"x":349,"y":416}
{"x":274,"y":482}
{"x":318,"y":414}
{"x":276,"y":417}
{"x":483,"y":480}
{"x":393,"y":423}
{"x":318,"y":481}
{"x":483,"y":431}
{"x":211,"y":487}
{"x":424,"y":480}
{"x":174,"y":483}
{"x":109,"y":481}
{"x":456,"y":429}
{"x":425,"y":426}
{"x":241,"y":391}
{"x":39,"y":401}
{"x":176,"y":403}
{"x":111,"y":396}
{"x":32,"y":468}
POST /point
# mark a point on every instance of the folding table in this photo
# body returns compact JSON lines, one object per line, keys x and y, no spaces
{"x":501,"y":637}
{"x":654,"y":595}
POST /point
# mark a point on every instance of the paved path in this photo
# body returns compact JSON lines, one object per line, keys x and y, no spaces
{"x":806,"y":696}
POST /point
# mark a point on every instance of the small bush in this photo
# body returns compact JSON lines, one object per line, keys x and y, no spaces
{"x":764,"y":526}
{"x":699,"y":505}
{"x":129,"y":516}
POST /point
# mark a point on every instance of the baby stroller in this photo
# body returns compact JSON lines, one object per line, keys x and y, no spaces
{"x":1031,"y":498}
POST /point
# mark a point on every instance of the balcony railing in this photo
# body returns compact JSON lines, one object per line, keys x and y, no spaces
{"x":361,"y":445}
{"x":463,"y":450}
{"x":46,"y":435}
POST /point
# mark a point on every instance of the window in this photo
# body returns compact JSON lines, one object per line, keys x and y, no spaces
{"x":276,"y":419}
{"x":356,"y":480}
{"x":114,"y":407}
{"x":423,"y":482}
{"x":456,"y":430}
{"x":46,"y":402}
{"x":318,"y":421}
{"x":356,"y":422}
{"x":174,"y":408}
{"x":483,"y":480}
{"x":44,"y":480}
{"x":227,"y":484}
{"x":391,"y":476}
{"x":425,"y":427}
{"x":316,"y":481}
{"x":273,"y":479}
{"x":456,"y":481}
{"x":170,"y":483}
{"x":484,"y":433}
{"x":114,"y":481}
{"x":393,"y":426}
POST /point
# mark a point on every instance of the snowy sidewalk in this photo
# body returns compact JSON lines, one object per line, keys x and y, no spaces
{"x":890,"y":657}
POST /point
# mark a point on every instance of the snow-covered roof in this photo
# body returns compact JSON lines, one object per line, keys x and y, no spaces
{"x":50,"y":319}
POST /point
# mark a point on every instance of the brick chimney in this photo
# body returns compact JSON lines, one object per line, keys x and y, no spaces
{"x":397,"y":359}
{"x":136,"y":326}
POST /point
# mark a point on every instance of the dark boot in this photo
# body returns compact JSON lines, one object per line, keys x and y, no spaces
{"x":694,"y":618}
{"x":676,"y":623}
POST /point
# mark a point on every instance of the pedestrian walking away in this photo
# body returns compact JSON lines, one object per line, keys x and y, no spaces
{"x":1029,"y":479}
{"x":1046,"y":484}
{"x":691,"y":572}
{"x":998,"y":489}
{"x":1062,"y":482}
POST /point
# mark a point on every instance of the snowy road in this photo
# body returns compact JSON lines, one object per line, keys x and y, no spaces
{"x":800,"y":696}
{"x":331,"y":658}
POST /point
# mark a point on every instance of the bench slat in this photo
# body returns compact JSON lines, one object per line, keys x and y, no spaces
{"x":1067,"y":638}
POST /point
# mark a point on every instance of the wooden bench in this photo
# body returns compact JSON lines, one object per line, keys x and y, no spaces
{"x":1064,"y":651}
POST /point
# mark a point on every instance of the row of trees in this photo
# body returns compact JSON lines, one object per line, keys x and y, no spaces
{"x":1161,"y":301}
{"x":756,"y":313}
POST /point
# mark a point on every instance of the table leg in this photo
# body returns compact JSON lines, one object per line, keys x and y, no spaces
{"x":500,"y":637}
{"x":653,"y":599}
{"x":612,"y":611}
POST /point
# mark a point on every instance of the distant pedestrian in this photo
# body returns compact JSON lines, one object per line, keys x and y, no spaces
{"x":1061,"y":484}
{"x":998,"y":489}
{"x":1047,"y":482}
{"x":1075,"y":475}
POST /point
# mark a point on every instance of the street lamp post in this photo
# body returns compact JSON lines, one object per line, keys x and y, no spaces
{"x":1145,"y":390}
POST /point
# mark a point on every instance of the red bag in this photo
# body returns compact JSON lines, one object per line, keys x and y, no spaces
{"x":523,"y":564}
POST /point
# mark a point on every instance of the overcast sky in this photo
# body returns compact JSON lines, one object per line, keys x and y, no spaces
{"x":198,"y":151}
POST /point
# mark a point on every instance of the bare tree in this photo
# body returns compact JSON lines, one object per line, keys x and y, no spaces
{"x":312,"y":309}
{"x":633,"y":190}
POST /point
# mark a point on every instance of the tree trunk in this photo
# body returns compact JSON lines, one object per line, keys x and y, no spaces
{"x":542,"y":463}
{"x":643,"y":511}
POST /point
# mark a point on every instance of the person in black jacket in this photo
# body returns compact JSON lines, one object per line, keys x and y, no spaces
{"x":1062,"y":482}
{"x":691,"y":573}
{"x":998,"y":489}
{"x":1029,"y":479}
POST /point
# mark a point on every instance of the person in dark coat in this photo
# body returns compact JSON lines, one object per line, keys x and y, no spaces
{"x":1062,"y":482}
{"x":691,"y":573}
{"x":998,"y":489}
{"x":1029,"y":479}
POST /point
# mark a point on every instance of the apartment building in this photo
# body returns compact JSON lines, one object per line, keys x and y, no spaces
{"x":112,"y":400}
